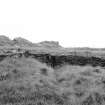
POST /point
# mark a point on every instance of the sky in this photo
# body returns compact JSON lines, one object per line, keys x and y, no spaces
{"x":74,"y":23}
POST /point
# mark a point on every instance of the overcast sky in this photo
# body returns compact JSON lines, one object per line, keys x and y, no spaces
{"x":74,"y":23}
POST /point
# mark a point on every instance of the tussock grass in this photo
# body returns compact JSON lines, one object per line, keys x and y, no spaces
{"x":80,"y":83}
{"x":26,"y":81}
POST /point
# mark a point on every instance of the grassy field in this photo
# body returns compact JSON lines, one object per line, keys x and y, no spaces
{"x":26,"y":81}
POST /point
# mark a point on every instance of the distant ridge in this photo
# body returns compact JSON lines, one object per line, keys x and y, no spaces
{"x":21,"y":42}
{"x":47,"y":45}
{"x":5,"y":41}
{"x":50,"y":44}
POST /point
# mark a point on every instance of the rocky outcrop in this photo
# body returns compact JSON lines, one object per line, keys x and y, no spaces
{"x":50,"y":44}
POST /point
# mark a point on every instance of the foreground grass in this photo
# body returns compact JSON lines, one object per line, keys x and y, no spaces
{"x":26,"y":81}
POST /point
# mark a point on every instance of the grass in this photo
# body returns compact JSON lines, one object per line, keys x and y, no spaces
{"x":26,"y":81}
{"x":83,"y":82}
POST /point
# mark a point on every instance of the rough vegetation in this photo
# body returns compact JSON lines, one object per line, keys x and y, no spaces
{"x":48,"y":74}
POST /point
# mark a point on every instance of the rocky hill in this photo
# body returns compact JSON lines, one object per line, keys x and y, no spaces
{"x":47,"y":74}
